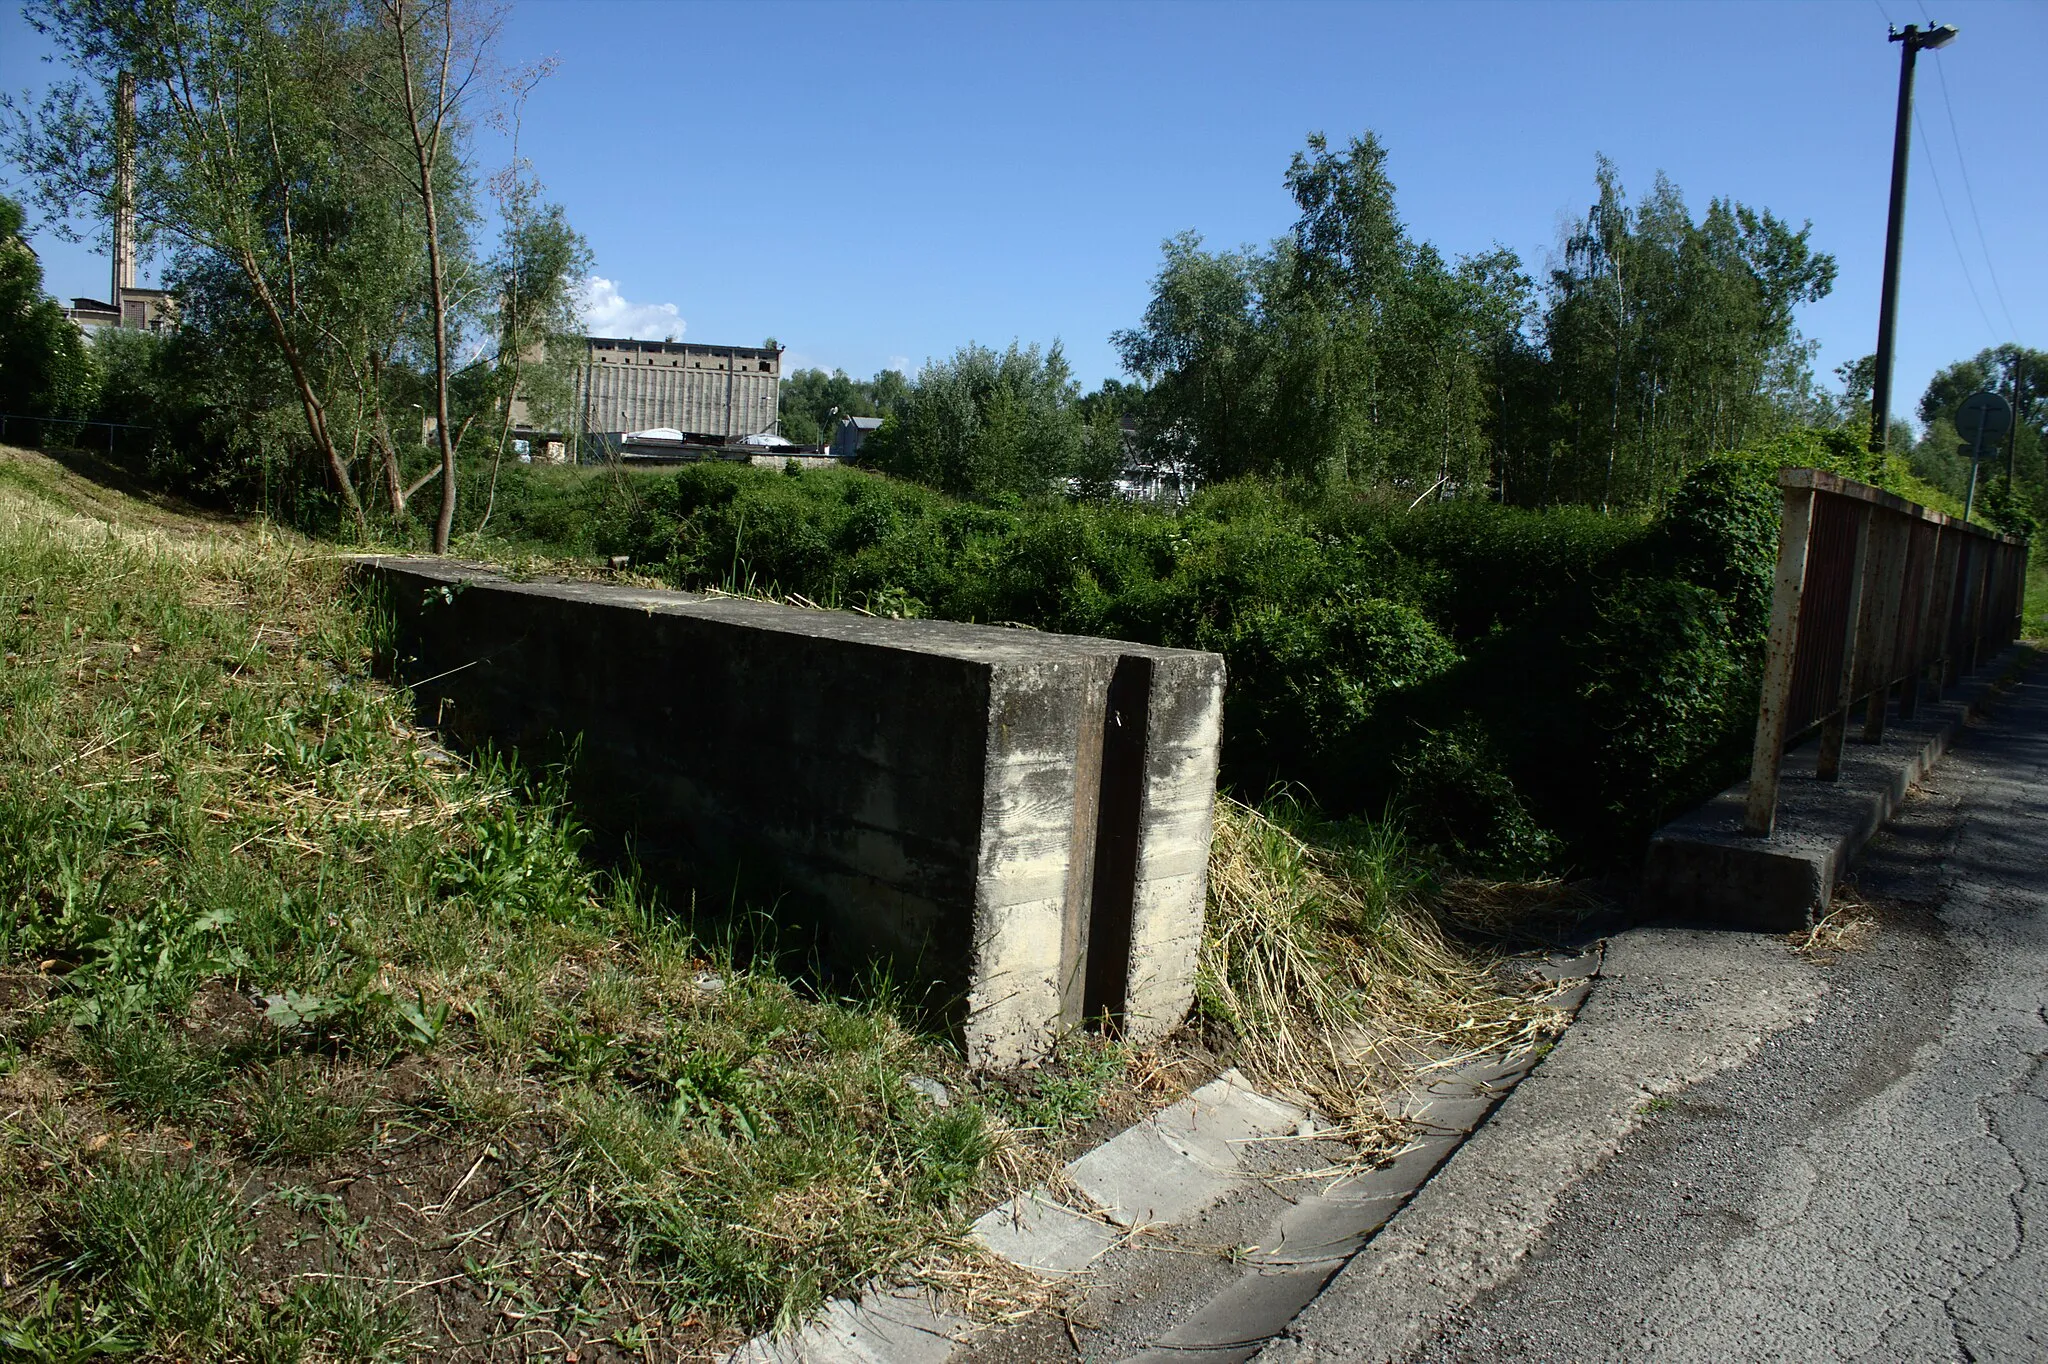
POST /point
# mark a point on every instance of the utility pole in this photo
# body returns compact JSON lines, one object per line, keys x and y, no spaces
{"x":1911,"y":39}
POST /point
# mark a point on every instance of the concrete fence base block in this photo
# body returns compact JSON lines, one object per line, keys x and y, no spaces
{"x":1018,"y":822}
{"x":1703,"y":865}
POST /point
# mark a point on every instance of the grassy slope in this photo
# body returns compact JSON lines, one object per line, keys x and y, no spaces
{"x":317,"y":1041}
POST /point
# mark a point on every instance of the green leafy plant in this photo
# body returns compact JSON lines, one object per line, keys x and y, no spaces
{"x":421,"y":1022}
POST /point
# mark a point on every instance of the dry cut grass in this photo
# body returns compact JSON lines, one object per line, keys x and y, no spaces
{"x":1330,"y":963}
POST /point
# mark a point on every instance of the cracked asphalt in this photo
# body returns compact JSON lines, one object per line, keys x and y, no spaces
{"x":1867,"y":1180}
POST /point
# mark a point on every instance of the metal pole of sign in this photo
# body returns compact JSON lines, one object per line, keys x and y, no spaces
{"x":1987,"y":416}
{"x":1976,"y":462}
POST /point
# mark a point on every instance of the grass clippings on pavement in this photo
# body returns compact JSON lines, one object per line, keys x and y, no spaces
{"x":1850,"y":925}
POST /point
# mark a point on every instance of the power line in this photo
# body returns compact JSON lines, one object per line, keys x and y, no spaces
{"x":1998,"y":289}
{"x":1970,"y":194}
{"x":1947,"y":217}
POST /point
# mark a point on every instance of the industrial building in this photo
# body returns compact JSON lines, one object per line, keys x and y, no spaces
{"x":714,"y":394}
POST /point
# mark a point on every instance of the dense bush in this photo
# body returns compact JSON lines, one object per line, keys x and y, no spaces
{"x":1502,"y":675}
{"x":1528,"y":688}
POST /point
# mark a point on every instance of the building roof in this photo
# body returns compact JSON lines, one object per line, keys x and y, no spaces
{"x":862,"y":423}
{"x":681,"y":347}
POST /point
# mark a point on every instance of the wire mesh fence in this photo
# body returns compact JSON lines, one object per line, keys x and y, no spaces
{"x":111,"y":438}
{"x":1876,"y":597}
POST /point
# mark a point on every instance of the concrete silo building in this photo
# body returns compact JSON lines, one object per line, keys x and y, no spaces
{"x":712,"y":394}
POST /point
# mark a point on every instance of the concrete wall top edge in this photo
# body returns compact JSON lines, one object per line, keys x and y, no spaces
{"x":975,"y":643}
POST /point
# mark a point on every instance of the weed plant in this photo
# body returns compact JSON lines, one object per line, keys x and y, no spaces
{"x":321,"y":1043}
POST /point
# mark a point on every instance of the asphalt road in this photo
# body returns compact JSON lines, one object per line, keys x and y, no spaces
{"x":1743,"y":1153}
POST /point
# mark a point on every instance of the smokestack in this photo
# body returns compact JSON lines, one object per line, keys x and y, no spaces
{"x":124,"y":189}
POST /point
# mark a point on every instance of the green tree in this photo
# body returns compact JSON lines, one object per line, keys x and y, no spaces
{"x":433,"y":56}
{"x":235,"y":126}
{"x":1667,"y":339}
{"x":536,"y":343}
{"x":813,"y":401}
{"x":44,"y":368}
{"x":986,"y":424}
{"x":2020,"y":375}
{"x":1205,"y":354}
{"x":1347,"y":349}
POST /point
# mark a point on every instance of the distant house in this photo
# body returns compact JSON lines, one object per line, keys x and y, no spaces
{"x":852,"y":432}
{"x":89,"y":315}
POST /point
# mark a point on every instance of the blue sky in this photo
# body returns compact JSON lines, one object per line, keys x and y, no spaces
{"x":877,"y":184}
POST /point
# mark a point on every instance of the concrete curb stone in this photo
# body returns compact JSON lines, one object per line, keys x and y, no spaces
{"x":1163,"y":1171}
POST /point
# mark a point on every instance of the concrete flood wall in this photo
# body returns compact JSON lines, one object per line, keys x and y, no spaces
{"x":1021,"y":819}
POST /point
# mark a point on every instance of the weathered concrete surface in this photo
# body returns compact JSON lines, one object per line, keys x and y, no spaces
{"x":1182,"y":1158}
{"x":1866,"y":1178}
{"x":900,"y":1327}
{"x":1021,"y":818}
{"x":1703,"y":865}
{"x":1671,"y":1007}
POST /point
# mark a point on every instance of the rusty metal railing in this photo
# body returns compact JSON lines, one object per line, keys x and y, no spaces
{"x":1874,"y":595}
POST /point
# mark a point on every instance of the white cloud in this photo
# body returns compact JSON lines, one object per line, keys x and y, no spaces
{"x":900,"y":363}
{"x":607,"y":312}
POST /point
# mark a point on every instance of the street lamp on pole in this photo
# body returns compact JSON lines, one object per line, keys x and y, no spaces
{"x":1911,"y":40}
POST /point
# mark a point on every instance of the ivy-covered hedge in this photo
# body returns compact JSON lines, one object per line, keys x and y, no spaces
{"x":1530,"y":689}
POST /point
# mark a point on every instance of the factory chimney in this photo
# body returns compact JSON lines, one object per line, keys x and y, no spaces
{"x":124,"y":191}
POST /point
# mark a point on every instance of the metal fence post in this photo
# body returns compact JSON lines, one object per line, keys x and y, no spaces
{"x":1942,"y":622}
{"x":2015,"y":594}
{"x":1795,"y":529}
{"x":2016,"y":620}
{"x":1835,"y":726}
{"x":1979,"y":592}
{"x":2019,"y":606}
{"x":1883,"y":670}
{"x":1914,"y":661}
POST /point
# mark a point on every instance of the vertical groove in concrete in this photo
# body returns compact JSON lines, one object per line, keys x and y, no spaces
{"x":1126,"y":724}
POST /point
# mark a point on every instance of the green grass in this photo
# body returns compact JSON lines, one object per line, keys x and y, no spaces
{"x":318,"y":1043}
{"x":259,"y":943}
